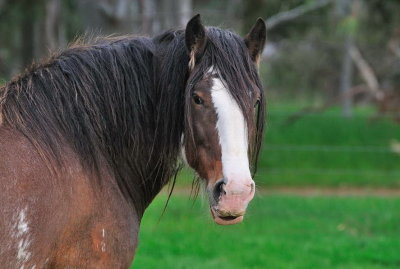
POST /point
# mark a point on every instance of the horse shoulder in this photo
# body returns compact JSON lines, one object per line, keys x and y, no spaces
{"x":58,"y":221}
{"x":27,"y":204}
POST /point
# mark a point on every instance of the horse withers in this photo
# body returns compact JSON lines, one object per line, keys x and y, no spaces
{"x":89,"y":137}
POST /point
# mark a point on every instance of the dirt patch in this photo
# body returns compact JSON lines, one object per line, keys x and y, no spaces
{"x":315,"y":191}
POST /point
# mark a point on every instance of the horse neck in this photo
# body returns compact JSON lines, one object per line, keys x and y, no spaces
{"x":165,"y":120}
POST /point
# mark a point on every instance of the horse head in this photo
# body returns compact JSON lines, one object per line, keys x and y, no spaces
{"x":224,"y":114}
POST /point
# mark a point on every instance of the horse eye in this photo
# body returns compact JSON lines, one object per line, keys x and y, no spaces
{"x":197,"y":99}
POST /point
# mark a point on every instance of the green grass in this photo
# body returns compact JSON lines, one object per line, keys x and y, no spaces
{"x":358,"y":152}
{"x":278,"y":232}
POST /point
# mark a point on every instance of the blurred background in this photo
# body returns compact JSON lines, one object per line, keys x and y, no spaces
{"x":329,"y":176}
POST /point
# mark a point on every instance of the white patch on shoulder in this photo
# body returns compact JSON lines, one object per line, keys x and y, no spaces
{"x":232,"y":131}
{"x":103,"y":243}
{"x":21,"y":234}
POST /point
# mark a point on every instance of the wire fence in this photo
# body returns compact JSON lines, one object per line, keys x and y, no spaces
{"x":369,"y":172}
{"x":320,"y":115}
{"x":329,"y":147}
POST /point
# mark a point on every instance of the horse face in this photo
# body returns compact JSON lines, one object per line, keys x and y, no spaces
{"x":218,"y":146}
{"x":219,"y":150}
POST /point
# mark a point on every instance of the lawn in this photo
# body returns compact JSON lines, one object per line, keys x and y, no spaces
{"x":278,"y":232}
{"x":326,"y":149}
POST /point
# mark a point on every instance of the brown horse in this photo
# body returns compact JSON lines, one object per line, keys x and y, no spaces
{"x":88,"y":139}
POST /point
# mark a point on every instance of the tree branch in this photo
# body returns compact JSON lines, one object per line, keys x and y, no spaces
{"x":366,"y":72}
{"x":3,"y":6}
{"x":311,"y":109}
{"x":292,"y":14}
{"x":116,"y":10}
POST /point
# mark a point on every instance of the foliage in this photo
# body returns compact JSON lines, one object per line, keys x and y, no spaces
{"x":309,"y":49}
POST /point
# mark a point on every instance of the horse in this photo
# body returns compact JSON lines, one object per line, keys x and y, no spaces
{"x":91,"y":135}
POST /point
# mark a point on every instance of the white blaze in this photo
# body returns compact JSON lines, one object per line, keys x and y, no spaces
{"x":232,"y":131}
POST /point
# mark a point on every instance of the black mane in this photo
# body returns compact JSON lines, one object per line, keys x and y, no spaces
{"x":120,"y":102}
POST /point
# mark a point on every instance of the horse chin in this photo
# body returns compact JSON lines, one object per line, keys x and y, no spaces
{"x":227,"y":220}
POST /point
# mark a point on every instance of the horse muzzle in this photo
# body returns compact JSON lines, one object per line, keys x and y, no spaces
{"x":229,"y":200}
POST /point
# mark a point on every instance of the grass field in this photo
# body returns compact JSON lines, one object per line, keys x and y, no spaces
{"x":279,"y":232}
{"x":326,"y":149}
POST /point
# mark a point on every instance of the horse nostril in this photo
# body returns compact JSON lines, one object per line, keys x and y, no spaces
{"x":219,"y":189}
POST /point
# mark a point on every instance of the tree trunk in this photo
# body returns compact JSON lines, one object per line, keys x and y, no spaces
{"x":105,"y":17}
{"x":27,"y":37}
{"x":346,"y":78}
{"x":295,"y":13}
{"x":347,"y":11}
{"x":53,"y":8}
{"x":184,"y":12}
{"x":149,"y":15}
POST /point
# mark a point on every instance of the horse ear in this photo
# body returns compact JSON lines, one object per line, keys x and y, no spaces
{"x":255,"y":40}
{"x":196,"y":39}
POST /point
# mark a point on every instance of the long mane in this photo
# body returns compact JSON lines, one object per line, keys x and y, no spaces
{"x":109,"y":103}
{"x":120,"y":103}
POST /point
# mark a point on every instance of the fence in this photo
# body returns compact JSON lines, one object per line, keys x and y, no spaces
{"x":328,"y":150}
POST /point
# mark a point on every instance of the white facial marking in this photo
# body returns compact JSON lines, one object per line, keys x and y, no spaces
{"x":23,"y":237}
{"x":232,"y":131}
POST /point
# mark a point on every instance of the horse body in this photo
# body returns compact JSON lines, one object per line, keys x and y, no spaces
{"x":47,"y":223}
{"x":89,"y":138}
